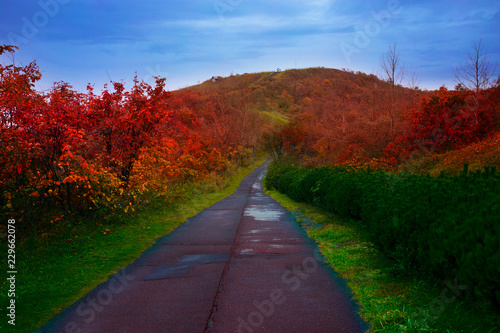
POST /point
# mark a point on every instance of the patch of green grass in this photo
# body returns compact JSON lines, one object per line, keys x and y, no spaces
{"x":276,"y":117}
{"x":389,"y":301}
{"x":277,"y":76}
{"x":61,"y":267}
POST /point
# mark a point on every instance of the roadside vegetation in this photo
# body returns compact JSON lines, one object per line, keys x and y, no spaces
{"x":61,"y":266}
{"x":401,"y":197}
{"x":390,"y":299}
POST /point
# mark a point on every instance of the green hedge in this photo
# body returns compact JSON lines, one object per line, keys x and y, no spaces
{"x":274,"y":173}
{"x":448,"y":226}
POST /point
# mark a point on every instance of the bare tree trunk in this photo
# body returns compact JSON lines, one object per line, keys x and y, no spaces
{"x":477,"y":71}
{"x":395,"y":73}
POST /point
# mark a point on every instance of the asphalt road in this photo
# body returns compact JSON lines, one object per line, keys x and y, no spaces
{"x":241,"y":265}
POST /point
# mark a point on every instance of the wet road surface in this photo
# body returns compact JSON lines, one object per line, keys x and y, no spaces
{"x":241,"y":265}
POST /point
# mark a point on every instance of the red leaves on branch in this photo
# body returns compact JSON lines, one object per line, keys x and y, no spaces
{"x":79,"y":151}
{"x":447,"y":120}
{"x":122,"y":123}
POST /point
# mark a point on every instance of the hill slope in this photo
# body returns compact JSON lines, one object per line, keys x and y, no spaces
{"x":333,"y":109}
{"x":329,"y":116}
{"x":477,"y":156}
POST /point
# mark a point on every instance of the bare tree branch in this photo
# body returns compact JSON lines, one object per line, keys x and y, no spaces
{"x":414,"y":80}
{"x":477,"y":71}
{"x":395,"y":74}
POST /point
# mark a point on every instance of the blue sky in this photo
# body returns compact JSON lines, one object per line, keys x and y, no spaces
{"x":189,"y":41}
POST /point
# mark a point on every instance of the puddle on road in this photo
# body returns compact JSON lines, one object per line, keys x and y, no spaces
{"x":256,"y":231}
{"x":263,"y":213}
{"x":257,"y":186}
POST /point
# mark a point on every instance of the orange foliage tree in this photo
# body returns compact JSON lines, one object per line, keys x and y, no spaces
{"x":63,"y":152}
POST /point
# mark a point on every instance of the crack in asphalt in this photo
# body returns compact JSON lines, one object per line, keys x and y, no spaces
{"x":220,"y":288}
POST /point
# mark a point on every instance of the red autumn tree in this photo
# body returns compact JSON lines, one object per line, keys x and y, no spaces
{"x":447,"y":120}
{"x":123,"y":122}
{"x":18,"y":100}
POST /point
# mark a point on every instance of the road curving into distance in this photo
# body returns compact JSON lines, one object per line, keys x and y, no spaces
{"x":242,"y":265}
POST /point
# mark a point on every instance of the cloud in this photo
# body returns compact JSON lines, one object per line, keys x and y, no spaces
{"x":88,"y":39}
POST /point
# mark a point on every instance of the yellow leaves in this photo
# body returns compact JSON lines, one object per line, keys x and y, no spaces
{"x":327,"y":83}
{"x":129,"y":207}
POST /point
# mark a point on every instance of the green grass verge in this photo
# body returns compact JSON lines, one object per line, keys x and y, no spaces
{"x":390,"y":302}
{"x":56,"y":270}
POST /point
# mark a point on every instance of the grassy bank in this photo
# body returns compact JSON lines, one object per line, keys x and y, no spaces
{"x":389,"y":301}
{"x":56,"y":269}
{"x":477,"y":156}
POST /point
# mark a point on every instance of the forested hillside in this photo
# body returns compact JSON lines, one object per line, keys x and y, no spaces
{"x":328,"y":117}
{"x":328,"y":111}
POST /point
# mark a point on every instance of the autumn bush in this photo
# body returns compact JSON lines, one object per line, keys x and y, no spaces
{"x":64,"y":153}
{"x":446,"y":226}
{"x":446,"y":121}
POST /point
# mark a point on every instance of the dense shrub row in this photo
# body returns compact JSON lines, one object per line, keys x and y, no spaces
{"x":448,"y":226}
